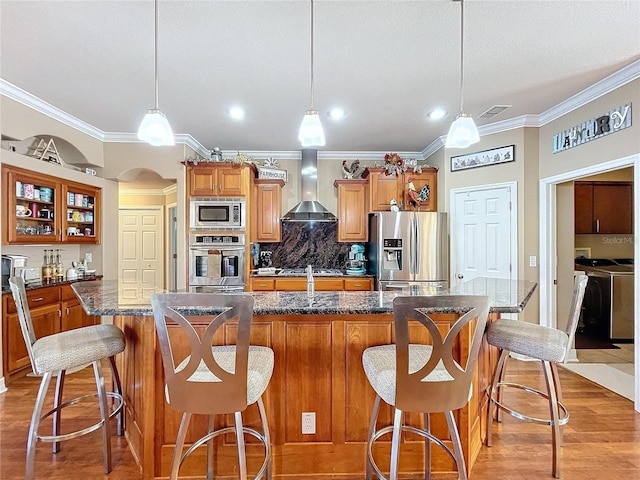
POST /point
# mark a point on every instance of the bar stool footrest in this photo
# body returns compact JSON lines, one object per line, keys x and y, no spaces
{"x":403,"y":428}
{"x":514,"y":413}
{"x":78,"y":433}
{"x":247,"y":430}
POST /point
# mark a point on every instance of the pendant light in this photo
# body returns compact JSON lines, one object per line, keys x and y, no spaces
{"x":463,"y":132}
{"x":154,"y":128}
{"x":311,"y":133}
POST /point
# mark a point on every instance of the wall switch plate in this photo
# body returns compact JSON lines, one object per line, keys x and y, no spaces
{"x":88,"y":257}
{"x":532,"y":261}
{"x":308,"y":423}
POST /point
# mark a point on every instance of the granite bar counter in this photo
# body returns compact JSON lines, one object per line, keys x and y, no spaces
{"x":505,"y":296}
{"x":318,"y":343}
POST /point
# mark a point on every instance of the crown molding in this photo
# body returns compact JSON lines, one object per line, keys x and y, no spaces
{"x":608,"y":84}
{"x":617,"y":79}
{"x":185,"y":138}
{"x":19,"y":95}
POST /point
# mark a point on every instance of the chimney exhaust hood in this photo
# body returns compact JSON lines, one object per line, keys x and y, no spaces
{"x":309,"y":209}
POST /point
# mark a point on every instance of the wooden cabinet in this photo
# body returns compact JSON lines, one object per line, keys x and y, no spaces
{"x":383,"y":188}
{"x":53,"y":309}
{"x":43,"y":209}
{"x":220,"y":180}
{"x":321,"y":284}
{"x":352,"y":210}
{"x":266,"y":210}
{"x":603,"y":207}
{"x":318,"y":369}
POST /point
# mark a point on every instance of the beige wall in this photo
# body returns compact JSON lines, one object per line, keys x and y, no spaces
{"x":608,"y":148}
{"x":21,"y":122}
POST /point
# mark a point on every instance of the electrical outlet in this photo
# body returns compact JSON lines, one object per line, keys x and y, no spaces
{"x":308,"y":423}
{"x":88,"y":257}
{"x":532,"y":261}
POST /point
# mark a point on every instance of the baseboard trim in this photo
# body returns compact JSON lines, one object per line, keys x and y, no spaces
{"x":3,"y":387}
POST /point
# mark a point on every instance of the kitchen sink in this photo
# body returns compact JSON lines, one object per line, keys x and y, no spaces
{"x":317,"y":272}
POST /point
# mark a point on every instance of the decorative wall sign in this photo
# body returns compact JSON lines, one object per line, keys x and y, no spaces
{"x":272,"y":173}
{"x":613,"y":121}
{"x":485,"y":157}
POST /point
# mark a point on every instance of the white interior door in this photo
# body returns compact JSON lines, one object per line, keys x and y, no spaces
{"x":140,"y":253}
{"x":483,"y":232}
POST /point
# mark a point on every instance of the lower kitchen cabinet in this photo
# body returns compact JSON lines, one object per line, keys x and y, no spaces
{"x":324,"y":284}
{"x":53,"y":309}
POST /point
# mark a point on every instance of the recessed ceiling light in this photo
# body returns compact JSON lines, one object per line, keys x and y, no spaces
{"x":336,"y":113}
{"x":437,"y":114}
{"x":236,"y":113}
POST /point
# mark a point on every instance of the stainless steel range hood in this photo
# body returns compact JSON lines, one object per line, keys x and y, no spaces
{"x":309,"y":209}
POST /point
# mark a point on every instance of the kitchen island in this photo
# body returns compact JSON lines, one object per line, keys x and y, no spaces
{"x":318,"y":343}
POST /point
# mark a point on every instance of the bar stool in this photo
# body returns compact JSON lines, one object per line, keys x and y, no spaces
{"x":213,"y":380}
{"x":424,"y":378}
{"x":63,"y":353}
{"x":548,"y":345}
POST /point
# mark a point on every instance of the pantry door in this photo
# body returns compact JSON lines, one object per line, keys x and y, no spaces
{"x":483,"y":232}
{"x":140,"y":253}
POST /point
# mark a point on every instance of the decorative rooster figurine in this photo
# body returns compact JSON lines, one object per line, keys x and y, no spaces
{"x":352,"y":171}
{"x":415,"y":197}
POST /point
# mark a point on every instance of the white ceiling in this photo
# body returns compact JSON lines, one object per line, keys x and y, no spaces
{"x":387,"y":63}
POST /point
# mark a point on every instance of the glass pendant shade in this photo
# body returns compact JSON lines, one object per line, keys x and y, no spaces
{"x":462,"y":133}
{"x":311,"y":133}
{"x":155,"y":129}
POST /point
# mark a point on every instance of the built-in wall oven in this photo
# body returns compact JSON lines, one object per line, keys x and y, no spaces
{"x":216,"y":262}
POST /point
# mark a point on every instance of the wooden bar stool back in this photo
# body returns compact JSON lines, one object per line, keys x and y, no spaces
{"x":548,"y":345}
{"x":67,"y":352}
{"x":424,"y":378}
{"x":212,"y":379}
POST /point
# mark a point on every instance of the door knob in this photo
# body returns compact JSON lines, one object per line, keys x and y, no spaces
{"x":460,"y":276}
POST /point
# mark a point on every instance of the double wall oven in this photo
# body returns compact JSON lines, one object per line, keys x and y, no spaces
{"x":217,"y":262}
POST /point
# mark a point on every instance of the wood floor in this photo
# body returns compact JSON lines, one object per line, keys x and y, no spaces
{"x":602,"y":438}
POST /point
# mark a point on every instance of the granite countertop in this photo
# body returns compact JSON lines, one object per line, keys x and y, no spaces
{"x":41,"y":284}
{"x":505,"y":296}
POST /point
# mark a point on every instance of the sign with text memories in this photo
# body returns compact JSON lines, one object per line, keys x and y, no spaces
{"x":613,"y":121}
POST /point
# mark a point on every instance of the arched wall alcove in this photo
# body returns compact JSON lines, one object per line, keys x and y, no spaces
{"x":68,"y":152}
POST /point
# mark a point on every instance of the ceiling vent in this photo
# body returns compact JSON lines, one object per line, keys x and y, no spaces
{"x":493,"y":111}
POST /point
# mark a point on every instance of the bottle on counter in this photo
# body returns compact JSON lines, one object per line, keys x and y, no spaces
{"x":46,"y":266}
{"x":59,"y":267}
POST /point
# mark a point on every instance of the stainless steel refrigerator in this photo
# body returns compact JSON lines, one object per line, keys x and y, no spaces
{"x":409,"y":250}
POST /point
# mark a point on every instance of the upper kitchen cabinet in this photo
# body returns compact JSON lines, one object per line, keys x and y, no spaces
{"x":383,"y":188}
{"x":39,"y":209}
{"x":603,"y":207}
{"x":219,"y":180}
{"x":352,"y":210}
{"x":266,"y":210}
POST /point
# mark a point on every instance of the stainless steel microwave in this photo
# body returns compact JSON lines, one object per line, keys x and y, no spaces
{"x":217,"y":214}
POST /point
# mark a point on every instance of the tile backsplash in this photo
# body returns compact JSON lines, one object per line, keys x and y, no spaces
{"x":309,"y":243}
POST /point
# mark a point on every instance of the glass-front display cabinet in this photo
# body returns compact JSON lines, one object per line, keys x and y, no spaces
{"x":40,"y":209}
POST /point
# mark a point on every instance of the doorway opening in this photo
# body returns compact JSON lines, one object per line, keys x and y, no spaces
{"x":555,"y":266}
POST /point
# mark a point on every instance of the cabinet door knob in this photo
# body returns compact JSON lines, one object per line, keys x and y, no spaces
{"x":460,"y":276}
